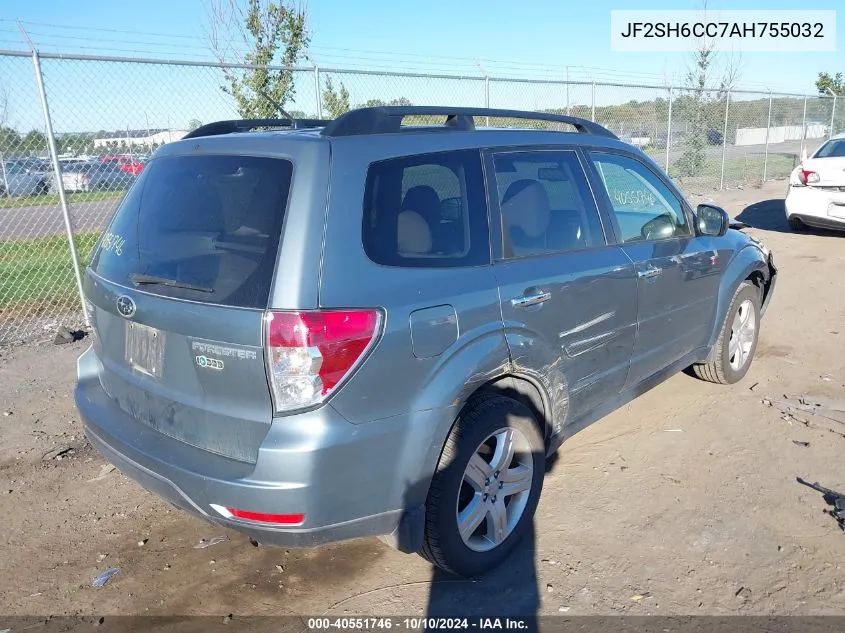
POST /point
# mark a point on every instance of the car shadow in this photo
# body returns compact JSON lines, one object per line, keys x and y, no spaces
{"x":770,"y":215}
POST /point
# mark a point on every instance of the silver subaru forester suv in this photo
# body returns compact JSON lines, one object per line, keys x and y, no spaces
{"x":311,"y":331}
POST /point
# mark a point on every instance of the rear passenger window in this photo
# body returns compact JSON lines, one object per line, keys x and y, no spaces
{"x":546,"y":204}
{"x":427,"y":210}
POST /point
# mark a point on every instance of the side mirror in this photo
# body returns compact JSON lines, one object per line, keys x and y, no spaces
{"x":712,"y":220}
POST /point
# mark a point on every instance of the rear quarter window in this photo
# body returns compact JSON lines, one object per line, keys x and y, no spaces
{"x":204,"y":228}
{"x":427,"y":211}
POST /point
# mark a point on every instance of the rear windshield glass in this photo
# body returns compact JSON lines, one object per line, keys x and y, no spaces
{"x":204,"y":228}
{"x":832,"y":149}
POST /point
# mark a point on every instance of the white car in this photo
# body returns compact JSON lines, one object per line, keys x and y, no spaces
{"x":816,"y":195}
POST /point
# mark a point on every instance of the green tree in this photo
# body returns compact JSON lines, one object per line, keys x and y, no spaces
{"x":9,"y":137}
{"x":75,"y":144}
{"x":275,"y":38}
{"x":708,"y":84}
{"x":335,"y":102}
{"x":10,"y":140}
{"x":827,"y":84}
{"x":375,"y":103}
{"x":34,"y":141}
{"x":193,"y":124}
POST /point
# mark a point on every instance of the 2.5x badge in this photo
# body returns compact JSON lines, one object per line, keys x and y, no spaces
{"x":209,"y":363}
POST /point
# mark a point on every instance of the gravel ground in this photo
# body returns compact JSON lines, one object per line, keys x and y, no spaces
{"x":683,"y":502}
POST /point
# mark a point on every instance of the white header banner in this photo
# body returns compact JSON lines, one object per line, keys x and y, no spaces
{"x":762,"y":30}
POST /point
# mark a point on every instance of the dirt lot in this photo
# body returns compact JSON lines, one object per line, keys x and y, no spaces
{"x":683,"y":502}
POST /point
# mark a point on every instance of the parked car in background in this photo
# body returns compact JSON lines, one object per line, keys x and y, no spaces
{"x":816,"y":195}
{"x":23,"y":177}
{"x":94,"y":176}
{"x":130,"y":164}
{"x":75,"y":178}
{"x":134,"y":167}
{"x":360,"y":328}
{"x":640,"y":139}
{"x":108,"y":177}
{"x":714,"y":136}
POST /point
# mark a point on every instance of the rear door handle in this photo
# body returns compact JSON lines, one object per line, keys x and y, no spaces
{"x":531,"y":300}
{"x":649,"y":273}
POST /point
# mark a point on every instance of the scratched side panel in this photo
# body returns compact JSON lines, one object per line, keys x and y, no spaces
{"x":676,"y":306}
{"x":579,"y":342}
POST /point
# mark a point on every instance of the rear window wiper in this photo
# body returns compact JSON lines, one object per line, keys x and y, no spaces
{"x":140,"y":279}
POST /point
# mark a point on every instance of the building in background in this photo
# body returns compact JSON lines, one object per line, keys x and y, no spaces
{"x":139,"y":138}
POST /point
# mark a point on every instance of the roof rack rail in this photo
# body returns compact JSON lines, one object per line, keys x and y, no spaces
{"x":388,"y":119}
{"x":245,"y":125}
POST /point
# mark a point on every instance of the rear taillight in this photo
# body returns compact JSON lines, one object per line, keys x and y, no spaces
{"x":808,"y":177}
{"x":259,"y":517}
{"x":309,"y":354}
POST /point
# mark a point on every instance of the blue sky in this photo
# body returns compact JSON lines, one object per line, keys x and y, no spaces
{"x":532,"y":38}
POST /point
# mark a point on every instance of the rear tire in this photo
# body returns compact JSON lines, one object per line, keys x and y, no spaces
{"x":737,"y":339}
{"x":477,"y":514}
{"x":796,"y":225}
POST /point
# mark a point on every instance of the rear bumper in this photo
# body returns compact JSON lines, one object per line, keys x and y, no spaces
{"x":821,"y":209}
{"x":349,"y":481}
{"x":159,"y":485}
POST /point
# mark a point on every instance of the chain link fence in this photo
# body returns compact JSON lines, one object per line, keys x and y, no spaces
{"x":75,"y":132}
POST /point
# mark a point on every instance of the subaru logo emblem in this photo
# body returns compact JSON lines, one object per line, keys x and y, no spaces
{"x":125,"y":306}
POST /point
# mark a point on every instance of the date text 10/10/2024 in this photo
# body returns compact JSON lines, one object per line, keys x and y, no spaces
{"x":417,"y":623}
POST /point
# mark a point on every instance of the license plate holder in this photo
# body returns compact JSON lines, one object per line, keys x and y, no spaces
{"x":145,"y":349}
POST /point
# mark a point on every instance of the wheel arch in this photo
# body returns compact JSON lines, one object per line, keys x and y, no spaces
{"x":408,"y":535}
{"x":748,"y":265}
{"x":526,"y":391}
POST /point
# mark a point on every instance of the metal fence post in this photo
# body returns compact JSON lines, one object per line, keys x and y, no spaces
{"x":317,"y":91}
{"x":593,"y":102}
{"x":832,"y":115}
{"x":768,"y":126}
{"x":567,"y":90}
{"x":5,"y":177}
{"x":57,"y":172}
{"x":804,"y":126}
{"x":669,"y":130}
{"x":725,"y":140}
{"x":487,"y":97}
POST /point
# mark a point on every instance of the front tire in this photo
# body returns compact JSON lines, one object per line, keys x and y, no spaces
{"x":737,"y":340}
{"x":485,"y":491}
